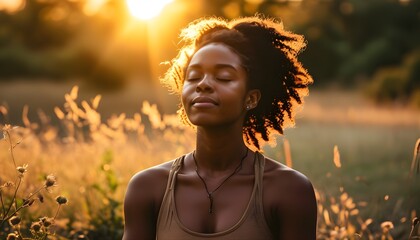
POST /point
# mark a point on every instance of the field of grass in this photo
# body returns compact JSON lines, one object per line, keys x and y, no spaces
{"x":93,"y":155}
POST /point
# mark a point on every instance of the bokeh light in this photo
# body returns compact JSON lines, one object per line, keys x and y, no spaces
{"x":145,"y":9}
{"x":11,"y":5}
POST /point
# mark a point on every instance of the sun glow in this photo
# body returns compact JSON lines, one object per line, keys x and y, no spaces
{"x":146,"y":9}
{"x":11,"y":5}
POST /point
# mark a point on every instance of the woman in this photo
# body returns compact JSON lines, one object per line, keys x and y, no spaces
{"x":239,"y":81}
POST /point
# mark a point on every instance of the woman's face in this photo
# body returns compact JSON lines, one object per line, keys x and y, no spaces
{"x":215,"y":87}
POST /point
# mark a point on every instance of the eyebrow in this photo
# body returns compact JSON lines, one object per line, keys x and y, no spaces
{"x":218,"y":66}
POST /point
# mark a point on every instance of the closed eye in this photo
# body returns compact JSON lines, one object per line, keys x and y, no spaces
{"x":224,"y":79}
{"x":225,"y":74}
{"x":192,"y":79}
{"x":193,"y":75}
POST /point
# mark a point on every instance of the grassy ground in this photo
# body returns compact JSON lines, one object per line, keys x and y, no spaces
{"x":375,"y":145}
{"x":375,"y":163}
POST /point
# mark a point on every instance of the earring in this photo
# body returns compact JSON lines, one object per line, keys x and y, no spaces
{"x":248,"y":107}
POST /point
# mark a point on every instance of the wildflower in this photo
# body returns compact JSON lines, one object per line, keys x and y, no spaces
{"x":81,"y":236}
{"x":46,"y":221}
{"x":387,"y":225}
{"x":8,"y":184}
{"x":61,"y":200}
{"x":28,"y":202}
{"x":36,"y":226}
{"x":12,"y":236}
{"x":22,"y":169}
{"x":50,"y":181}
{"x":40,"y":197}
{"x":415,"y":221}
{"x":7,"y":127}
{"x":15,"y":220}
{"x":414,"y":228}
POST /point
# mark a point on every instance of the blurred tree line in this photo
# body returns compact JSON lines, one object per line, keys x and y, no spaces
{"x":57,"y":40}
{"x":352,"y":43}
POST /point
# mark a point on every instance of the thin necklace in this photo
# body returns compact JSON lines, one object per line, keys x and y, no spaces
{"x":210,"y":193}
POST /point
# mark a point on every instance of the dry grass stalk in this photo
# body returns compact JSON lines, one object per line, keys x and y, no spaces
{"x":287,"y":153}
{"x":415,"y":229}
{"x":337,"y":161}
{"x":415,"y":163}
{"x":11,"y":205}
{"x":86,"y":136}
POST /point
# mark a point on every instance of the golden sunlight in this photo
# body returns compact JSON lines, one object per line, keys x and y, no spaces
{"x":146,"y":9}
{"x":11,"y":5}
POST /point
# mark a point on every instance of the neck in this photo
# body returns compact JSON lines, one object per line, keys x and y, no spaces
{"x":219,"y":150}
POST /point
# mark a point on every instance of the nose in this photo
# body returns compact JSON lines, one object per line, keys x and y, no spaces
{"x":204,"y":85}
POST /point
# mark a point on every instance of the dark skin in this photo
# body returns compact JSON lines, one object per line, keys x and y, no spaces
{"x":215,"y":97}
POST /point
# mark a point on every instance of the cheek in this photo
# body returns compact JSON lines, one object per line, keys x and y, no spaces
{"x":236,"y":95}
{"x":185,"y":92}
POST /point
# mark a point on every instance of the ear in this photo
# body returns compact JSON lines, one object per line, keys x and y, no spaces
{"x":252,"y":99}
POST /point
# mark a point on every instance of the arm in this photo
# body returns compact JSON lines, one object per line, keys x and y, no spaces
{"x":294,"y":207}
{"x":300,"y":216}
{"x":141,"y":205}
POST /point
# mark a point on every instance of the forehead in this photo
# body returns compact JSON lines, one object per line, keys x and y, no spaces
{"x":215,"y":54}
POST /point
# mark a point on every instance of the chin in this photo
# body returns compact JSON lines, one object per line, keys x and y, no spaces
{"x":202,"y":122}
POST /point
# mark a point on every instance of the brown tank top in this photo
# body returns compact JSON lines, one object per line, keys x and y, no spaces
{"x":251,"y":226}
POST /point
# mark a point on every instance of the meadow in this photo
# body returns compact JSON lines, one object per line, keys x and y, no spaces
{"x":358,"y":155}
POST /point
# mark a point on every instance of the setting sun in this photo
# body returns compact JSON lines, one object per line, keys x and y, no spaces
{"x":146,"y":9}
{"x":11,"y":5}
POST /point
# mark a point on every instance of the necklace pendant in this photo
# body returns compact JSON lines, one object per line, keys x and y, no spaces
{"x":209,"y":193}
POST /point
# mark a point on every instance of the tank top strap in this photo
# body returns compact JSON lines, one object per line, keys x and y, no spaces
{"x":176,"y":165}
{"x":166,"y":212}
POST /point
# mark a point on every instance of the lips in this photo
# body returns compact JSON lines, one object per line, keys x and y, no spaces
{"x":203,"y":101}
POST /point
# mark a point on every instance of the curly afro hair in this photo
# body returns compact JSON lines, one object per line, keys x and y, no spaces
{"x":268,"y":53}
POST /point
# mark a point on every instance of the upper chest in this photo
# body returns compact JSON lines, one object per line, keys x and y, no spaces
{"x":228,"y":201}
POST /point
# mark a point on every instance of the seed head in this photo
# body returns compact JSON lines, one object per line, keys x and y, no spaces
{"x":81,"y":236}
{"x":387,"y":225}
{"x":415,"y":221}
{"x":61,"y":200}
{"x":40,"y":197}
{"x":46,"y":221}
{"x":28,"y":202}
{"x":12,"y":236}
{"x":7,"y":127}
{"x":15,"y":220}
{"x":50,"y":181}
{"x":8,"y":184}
{"x":36,"y":226}
{"x":22,"y":169}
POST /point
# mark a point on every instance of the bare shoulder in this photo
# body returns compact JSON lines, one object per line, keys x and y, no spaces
{"x":289,"y":201}
{"x":155,"y":174}
{"x":149,"y":183}
{"x":142,"y":201}
{"x":279,"y":178}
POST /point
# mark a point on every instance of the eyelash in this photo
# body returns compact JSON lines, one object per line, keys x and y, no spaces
{"x":219,"y":79}
{"x":223,"y":79}
{"x":192,"y":79}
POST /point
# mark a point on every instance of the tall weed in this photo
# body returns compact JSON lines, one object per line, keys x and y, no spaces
{"x":95,"y":158}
